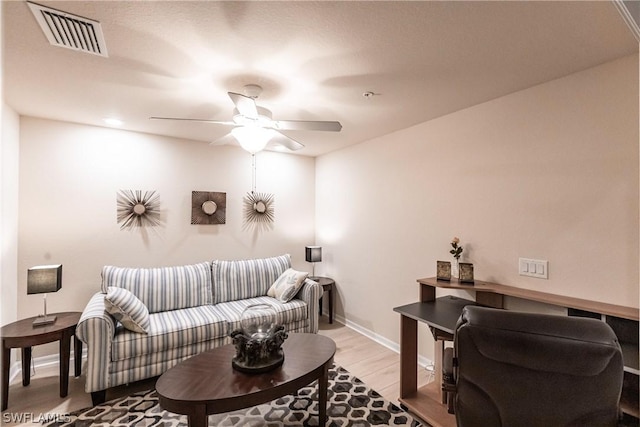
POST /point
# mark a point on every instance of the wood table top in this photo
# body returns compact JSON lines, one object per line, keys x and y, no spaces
{"x":209,"y":377}
{"x":442,"y":314}
{"x":322,"y":281}
{"x":24,"y":328}
{"x":625,"y":312}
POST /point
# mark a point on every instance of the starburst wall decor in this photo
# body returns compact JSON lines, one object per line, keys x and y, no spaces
{"x":258,"y":207}
{"x":138,"y":209}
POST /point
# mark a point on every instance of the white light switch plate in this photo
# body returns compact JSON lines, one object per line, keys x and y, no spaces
{"x":533,"y":268}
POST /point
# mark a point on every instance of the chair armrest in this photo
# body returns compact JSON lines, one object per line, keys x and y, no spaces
{"x":96,"y":329}
{"x":310,"y":293}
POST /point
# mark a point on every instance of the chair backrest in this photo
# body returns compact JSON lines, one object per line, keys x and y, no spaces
{"x":525,"y":369}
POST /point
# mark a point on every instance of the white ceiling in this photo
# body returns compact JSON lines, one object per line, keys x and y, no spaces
{"x":313,"y":59}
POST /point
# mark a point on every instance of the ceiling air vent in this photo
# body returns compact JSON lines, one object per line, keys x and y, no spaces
{"x":70,"y":31}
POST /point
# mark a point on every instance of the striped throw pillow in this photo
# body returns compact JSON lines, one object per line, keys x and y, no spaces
{"x":127,"y":309}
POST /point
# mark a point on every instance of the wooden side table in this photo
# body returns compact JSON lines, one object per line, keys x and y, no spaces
{"x":327,"y":286}
{"x":22,"y":334}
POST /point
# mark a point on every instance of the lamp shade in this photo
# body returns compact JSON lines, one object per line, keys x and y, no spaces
{"x":313,"y":253}
{"x":44,"y":279}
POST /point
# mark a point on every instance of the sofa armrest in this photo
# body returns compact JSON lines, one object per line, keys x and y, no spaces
{"x":96,"y":329}
{"x":310,"y":293}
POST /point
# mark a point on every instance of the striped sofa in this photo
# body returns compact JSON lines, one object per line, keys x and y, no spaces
{"x":191,"y":308}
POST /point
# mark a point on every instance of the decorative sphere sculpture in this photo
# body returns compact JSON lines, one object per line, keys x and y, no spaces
{"x":258,"y":320}
{"x":259,"y":340}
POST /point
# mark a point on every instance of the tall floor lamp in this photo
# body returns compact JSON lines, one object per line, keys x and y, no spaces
{"x":313,"y":254}
{"x":42,"y":280}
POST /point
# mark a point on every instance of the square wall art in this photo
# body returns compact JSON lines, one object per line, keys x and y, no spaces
{"x":208,"y":207}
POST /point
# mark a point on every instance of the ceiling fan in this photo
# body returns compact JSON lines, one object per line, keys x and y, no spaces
{"x":253,"y":126}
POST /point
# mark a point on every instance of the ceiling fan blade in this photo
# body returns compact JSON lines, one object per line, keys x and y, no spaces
{"x":285,"y":141}
{"x":244,"y":104}
{"x":217,"y":122}
{"x":227,"y":139}
{"x":308,"y":125}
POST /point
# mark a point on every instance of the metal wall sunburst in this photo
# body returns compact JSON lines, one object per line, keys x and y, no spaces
{"x":258,"y":207}
{"x":138,"y":208}
{"x":208,"y":207}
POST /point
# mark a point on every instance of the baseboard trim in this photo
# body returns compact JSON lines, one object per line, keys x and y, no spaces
{"x":54,"y":359}
{"x":42,"y":362}
{"x":391,"y":345}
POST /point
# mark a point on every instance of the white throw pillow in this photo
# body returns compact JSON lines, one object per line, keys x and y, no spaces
{"x":287,"y":285}
{"x":127,"y":309}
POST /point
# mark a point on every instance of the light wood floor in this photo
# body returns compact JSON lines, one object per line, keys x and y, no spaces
{"x":374,"y":364}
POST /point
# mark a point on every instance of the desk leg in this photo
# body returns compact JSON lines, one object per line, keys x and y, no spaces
{"x":6,"y":362}
{"x":26,"y":366}
{"x":77,"y":357}
{"x":438,"y":351}
{"x":65,"y":354}
{"x":408,"y":356}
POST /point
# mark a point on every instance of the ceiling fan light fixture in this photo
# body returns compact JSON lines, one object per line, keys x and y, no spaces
{"x":252,"y":138}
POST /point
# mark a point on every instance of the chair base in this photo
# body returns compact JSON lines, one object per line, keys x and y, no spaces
{"x":448,"y":380}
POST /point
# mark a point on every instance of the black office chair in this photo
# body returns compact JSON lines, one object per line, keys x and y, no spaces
{"x":523,"y":369}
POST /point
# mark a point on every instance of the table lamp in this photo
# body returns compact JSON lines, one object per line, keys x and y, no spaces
{"x":313,"y":254}
{"x":43,"y":279}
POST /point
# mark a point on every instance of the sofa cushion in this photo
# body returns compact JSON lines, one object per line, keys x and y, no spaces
{"x":287,"y":285}
{"x":237,"y":280}
{"x":154,"y":364}
{"x":170,"y":329}
{"x":127,"y":308}
{"x":286,"y":312}
{"x":164,"y":288}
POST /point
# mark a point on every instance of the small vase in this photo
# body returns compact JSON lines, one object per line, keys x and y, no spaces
{"x":455,"y":270}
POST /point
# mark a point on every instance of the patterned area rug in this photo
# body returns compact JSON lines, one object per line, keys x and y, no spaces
{"x":351,"y":403}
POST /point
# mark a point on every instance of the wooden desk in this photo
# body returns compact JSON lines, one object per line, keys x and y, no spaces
{"x":441,"y":315}
{"x":492,"y":295}
{"x":427,"y":401}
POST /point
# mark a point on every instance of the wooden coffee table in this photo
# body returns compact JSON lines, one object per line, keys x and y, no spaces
{"x":207,"y":384}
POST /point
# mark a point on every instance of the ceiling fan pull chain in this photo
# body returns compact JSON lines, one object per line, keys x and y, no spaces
{"x":253,"y":177}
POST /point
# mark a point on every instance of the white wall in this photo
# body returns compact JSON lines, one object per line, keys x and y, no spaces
{"x":9,"y":153}
{"x":550,"y":172}
{"x":9,"y":214}
{"x":69,"y":178}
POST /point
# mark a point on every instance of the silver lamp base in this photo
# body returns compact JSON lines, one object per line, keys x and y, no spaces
{"x":44,"y":320}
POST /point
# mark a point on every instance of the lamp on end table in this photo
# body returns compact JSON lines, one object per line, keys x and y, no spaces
{"x":43,"y":279}
{"x":313,"y":254}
